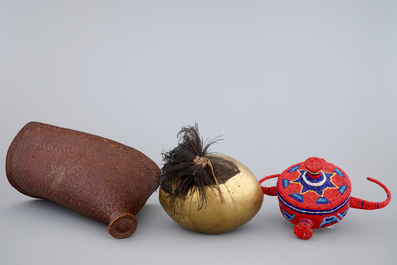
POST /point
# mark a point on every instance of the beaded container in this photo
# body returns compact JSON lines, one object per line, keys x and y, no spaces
{"x":316,"y":194}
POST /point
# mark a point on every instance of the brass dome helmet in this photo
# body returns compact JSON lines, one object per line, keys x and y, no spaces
{"x":207,"y":193}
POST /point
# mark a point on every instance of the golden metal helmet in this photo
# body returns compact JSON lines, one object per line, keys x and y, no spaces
{"x":243,"y":199}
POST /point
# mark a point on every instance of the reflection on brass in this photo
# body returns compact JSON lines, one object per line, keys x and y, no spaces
{"x":243,"y":196}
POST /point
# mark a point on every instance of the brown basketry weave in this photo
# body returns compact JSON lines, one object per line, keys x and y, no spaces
{"x":94,"y":176}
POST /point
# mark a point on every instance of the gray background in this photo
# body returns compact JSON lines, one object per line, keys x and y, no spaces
{"x":279,"y":80}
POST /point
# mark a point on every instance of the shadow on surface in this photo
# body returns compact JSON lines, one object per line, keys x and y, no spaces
{"x":50,"y":216}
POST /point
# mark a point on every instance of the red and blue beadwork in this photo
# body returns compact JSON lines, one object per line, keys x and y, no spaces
{"x":316,"y":194}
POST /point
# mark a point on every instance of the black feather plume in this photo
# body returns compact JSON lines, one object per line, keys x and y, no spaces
{"x":181,"y":175}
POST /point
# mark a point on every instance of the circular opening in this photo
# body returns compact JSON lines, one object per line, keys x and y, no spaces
{"x":123,"y":226}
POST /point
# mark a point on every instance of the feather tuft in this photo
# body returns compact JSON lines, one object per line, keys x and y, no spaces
{"x":182,"y":175}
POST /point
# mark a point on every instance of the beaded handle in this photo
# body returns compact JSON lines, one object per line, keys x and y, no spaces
{"x":367,"y":205}
{"x":271,"y":191}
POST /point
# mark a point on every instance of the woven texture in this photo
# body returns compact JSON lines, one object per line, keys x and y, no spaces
{"x":316,"y":194}
{"x":94,"y":176}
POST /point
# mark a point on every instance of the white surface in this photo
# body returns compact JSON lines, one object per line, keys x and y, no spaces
{"x":279,"y":80}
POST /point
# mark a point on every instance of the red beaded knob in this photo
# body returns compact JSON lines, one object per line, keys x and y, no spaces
{"x":303,"y":229}
{"x":314,"y":165}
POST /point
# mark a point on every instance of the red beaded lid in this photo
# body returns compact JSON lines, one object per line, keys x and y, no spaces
{"x":314,"y":187}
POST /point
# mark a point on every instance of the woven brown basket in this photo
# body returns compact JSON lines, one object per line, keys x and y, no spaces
{"x":94,"y":176}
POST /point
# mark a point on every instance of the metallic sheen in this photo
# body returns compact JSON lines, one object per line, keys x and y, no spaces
{"x":243,"y":196}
